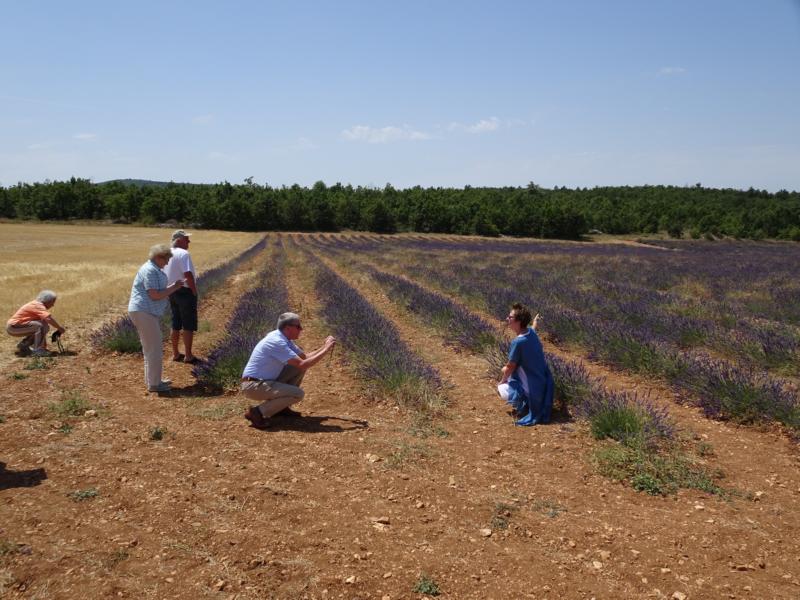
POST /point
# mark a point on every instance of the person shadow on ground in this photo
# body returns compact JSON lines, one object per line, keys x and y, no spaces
{"x":315,"y":424}
{"x":17,"y":479}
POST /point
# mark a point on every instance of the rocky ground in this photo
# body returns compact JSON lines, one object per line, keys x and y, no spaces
{"x":174,"y":496}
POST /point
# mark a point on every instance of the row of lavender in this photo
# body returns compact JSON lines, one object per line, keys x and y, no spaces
{"x":741,"y":280}
{"x":648,"y":457}
{"x":723,"y":388}
{"x":121,"y":335}
{"x":254,"y":315}
{"x":374,"y":344}
{"x":576,"y":390}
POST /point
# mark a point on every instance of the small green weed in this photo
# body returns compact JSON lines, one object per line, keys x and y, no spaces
{"x":72,"y":404}
{"x":656,"y":473}
{"x":501,"y":515}
{"x":550,"y":508}
{"x":8,"y":547}
{"x":705,"y":449}
{"x":65,"y":428}
{"x":424,"y":427}
{"x":19,"y":376}
{"x":81,"y":495}
{"x":39,"y":363}
{"x":405,"y":453}
{"x":426,"y":585}
{"x":204,"y":326}
{"x":116,"y":557}
{"x":2,"y":419}
{"x":218,"y":412}
{"x":157,"y":433}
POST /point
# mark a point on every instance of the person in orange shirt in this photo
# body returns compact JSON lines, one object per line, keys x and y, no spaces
{"x":32,"y":322}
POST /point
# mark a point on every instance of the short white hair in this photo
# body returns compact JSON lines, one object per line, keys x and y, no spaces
{"x":46,"y":296}
{"x":160,"y":250}
{"x":287,"y":318}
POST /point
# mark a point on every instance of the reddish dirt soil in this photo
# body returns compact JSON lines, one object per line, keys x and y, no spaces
{"x":347,"y":502}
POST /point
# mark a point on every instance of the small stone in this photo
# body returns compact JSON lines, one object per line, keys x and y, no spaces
{"x":699,"y":507}
{"x":678,"y":596}
{"x":90,"y":413}
{"x":170,"y":580}
{"x":597,"y":564}
{"x":451,"y":481}
{"x":373,"y":458}
{"x":665,"y":570}
{"x":220,"y":585}
{"x":420,"y":504}
{"x":386,"y":597}
{"x":486,"y":532}
{"x":758,"y":496}
{"x":387,"y":575}
{"x":604,"y":554}
{"x":351,"y":579}
{"x":635,"y":552}
{"x":381,"y":520}
{"x":571,"y":543}
{"x":498,"y":450}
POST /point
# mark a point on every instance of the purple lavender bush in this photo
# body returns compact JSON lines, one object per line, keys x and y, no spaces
{"x":254,"y":315}
{"x":380,"y":355}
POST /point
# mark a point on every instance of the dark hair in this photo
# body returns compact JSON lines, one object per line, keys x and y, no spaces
{"x":521,"y":313}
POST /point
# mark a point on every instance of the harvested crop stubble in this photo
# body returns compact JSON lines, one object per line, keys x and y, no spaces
{"x":121,"y":335}
{"x":90,"y":266}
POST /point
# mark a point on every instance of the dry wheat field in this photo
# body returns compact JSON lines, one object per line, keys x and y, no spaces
{"x":669,"y":469}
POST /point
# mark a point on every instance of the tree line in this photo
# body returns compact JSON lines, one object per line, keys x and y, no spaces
{"x":532,"y":210}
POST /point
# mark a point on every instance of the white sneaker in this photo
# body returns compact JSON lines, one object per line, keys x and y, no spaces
{"x":166,"y":381}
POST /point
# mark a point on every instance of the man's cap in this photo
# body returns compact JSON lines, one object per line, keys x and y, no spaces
{"x":180,"y":233}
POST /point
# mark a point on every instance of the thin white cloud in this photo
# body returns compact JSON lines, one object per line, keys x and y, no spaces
{"x":303,"y":143}
{"x":202,"y":119}
{"x":85,"y":136}
{"x":383,"y":135}
{"x":42,"y":145}
{"x":671,"y":70}
{"x":483,"y":126}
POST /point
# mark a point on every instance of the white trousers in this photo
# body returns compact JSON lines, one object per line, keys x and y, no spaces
{"x":149,"y":329}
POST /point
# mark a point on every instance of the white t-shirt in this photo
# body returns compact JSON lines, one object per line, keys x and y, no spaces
{"x":180,"y":263}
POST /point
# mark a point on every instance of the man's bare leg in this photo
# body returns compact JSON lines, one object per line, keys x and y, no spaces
{"x":174,"y":338}
{"x":188,"y":338}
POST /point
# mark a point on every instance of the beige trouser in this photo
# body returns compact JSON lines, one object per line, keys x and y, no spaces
{"x":149,"y":329}
{"x":276,"y":395}
{"x":34,"y":332}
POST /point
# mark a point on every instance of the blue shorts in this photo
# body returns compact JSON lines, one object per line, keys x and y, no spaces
{"x":184,"y":310}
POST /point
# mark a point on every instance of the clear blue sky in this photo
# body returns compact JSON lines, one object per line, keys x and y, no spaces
{"x":410,"y":93}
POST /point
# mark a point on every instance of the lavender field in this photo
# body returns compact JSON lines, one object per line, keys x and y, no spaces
{"x":719,"y":322}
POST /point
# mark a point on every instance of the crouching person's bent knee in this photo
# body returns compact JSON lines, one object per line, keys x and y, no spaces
{"x":272,"y":396}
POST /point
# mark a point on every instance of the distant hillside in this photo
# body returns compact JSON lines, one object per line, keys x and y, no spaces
{"x":138,"y":182}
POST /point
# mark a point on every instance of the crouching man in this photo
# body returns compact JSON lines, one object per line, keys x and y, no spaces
{"x":275,"y":370}
{"x":32,"y":322}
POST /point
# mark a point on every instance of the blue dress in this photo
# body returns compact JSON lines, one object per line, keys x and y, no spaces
{"x":532,"y":372}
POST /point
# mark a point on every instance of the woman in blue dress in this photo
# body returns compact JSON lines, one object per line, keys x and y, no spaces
{"x":526,"y":382}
